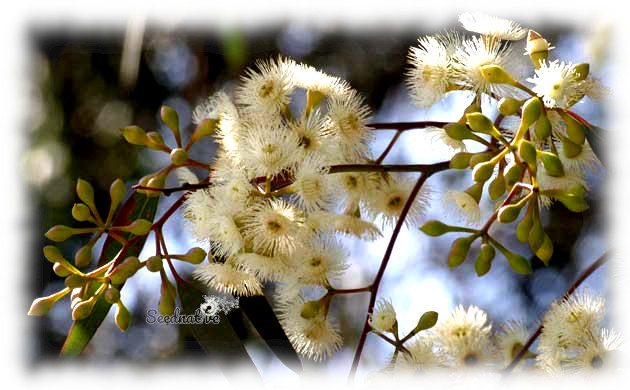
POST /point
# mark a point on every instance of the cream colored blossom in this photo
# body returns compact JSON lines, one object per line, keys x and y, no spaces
{"x":431,"y":71}
{"x":268,"y":88}
{"x":310,"y":330}
{"x":228,"y":278}
{"x":463,"y":207}
{"x":383,"y":319}
{"x":273,"y":226}
{"x":465,"y":337}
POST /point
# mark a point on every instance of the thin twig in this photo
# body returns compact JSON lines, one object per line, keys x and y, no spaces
{"x":388,"y":168}
{"x":585,"y":274}
{"x":426,"y":173}
{"x":389,"y":147}
{"x":169,"y":191}
{"x":402,"y":126}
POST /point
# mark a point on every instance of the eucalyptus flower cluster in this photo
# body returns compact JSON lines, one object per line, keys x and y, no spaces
{"x":572,"y":340}
{"x":275,"y":210}
{"x":535,"y":152}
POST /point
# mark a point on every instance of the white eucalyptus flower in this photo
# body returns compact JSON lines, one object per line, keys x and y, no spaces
{"x":465,"y":337}
{"x":431,"y":73}
{"x":309,"y":329}
{"x":228,"y":278}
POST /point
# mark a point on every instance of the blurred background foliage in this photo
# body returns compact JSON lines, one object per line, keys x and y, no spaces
{"x":85,"y":85}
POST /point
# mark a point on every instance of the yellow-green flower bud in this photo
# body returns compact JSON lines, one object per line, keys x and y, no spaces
{"x":85,"y":192}
{"x":313,"y":99}
{"x":81,"y":212}
{"x":497,"y":187}
{"x":117,"y":192}
{"x":573,"y":202}
{"x":543,"y":127}
{"x":475,"y":191}
{"x":122,"y":317}
{"x":460,"y":160}
{"x":570,"y":149}
{"x":509,"y":213}
{"x":310,"y":309}
{"x":204,"y":129}
{"x":483,"y":171}
{"x":576,"y":131}
{"x":155,"y":182}
{"x":496,"y":74}
{"x":473,"y":107}
{"x":166,"y":305}
{"x":53,"y":254}
{"x":179,"y":156}
{"x":524,"y":227}
{"x":517,"y":262}
{"x":537,"y":47}
{"x":457,"y":131}
{"x":112,"y":295}
{"x":125,"y":270}
{"x":551,"y":163}
{"x":459,"y":251}
{"x":41,"y":306}
{"x":139,"y":227}
{"x":527,"y":151}
{"x":435,"y":228}
{"x":83,"y":257}
{"x":513,"y":173}
{"x":483,"y":263}
{"x":59,"y":233}
{"x":479,"y":158}
{"x":532,"y":109}
{"x":545,"y":251}
{"x":194,"y":256}
{"x":536,"y":236}
{"x":60,"y":270}
{"x":155,"y":140}
{"x":426,"y":321}
{"x":581,"y":71}
{"x":154,"y":263}
{"x":74,"y":281}
{"x":509,"y":106}
{"x":170,"y":118}
{"x":480,"y":123}
{"x":83,"y":309}
{"x":134,"y":135}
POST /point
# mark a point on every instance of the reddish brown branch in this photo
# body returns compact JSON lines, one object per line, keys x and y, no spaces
{"x":388,"y":148}
{"x":426,"y":173}
{"x":402,"y":126}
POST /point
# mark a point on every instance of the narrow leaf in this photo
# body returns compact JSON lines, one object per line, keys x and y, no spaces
{"x":261,"y":315}
{"x":219,"y":341}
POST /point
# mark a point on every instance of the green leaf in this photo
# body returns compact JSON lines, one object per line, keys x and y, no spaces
{"x":259,"y":312}
{"x":82,"y":331}
{"x":596,"y":137}
{"x":220,"y":341}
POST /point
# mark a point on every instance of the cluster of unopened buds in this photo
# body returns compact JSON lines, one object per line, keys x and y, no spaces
{"x":294,"y":170}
